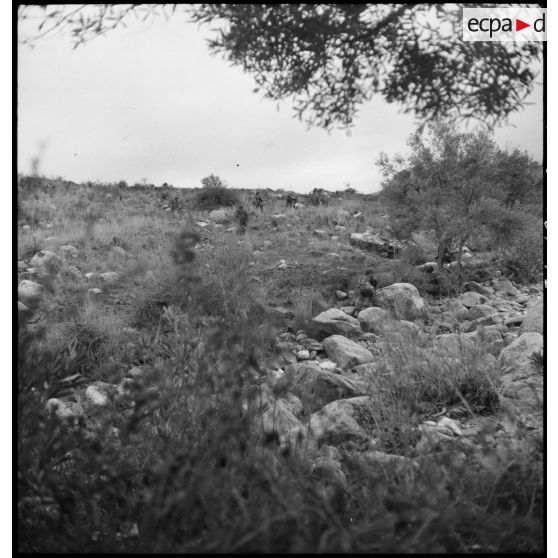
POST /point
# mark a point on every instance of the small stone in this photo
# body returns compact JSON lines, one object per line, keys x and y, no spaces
{"x":341,"y":295}
{"x":110,"y":277}
{"x":29,"y":291}
{"x":303,"y":354}
{"x":94,"y":291}
{"x":119,"y":251}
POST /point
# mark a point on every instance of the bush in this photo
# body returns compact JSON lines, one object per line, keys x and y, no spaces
{"x":214,"y":194}
{"x":523,"y":260}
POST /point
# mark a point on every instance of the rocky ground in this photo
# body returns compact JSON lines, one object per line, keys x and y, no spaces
{"x":469,"y":368}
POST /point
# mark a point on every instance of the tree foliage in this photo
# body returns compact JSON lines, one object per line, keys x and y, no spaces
{"x":331,"y":58}
{"x":454,"y":182}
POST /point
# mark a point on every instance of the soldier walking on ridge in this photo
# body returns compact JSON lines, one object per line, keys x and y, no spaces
{"x":242,"y":218}
{"x":258,"y":202}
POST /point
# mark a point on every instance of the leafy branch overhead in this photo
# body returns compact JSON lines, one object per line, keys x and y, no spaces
{"x":331,"y":58}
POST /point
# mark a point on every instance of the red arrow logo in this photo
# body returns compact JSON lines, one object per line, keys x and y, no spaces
{"x":519,"y":25}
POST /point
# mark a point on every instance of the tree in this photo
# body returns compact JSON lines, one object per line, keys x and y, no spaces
{"x":331,"y":58}
{"x":442,"y":186}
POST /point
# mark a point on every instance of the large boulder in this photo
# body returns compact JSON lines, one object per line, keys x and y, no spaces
{"x":479,"y":311}
{"x":402,"y":299}
{"x":377,"y":241}
{"x":316,"y":386}
{"x":219,"y":216}
{"x":343,"y":420}
{"x":29,"y":291}
{"x":373,"y":318}
{"x":473,"y":286}
{"x":504,"y":286}
{"x":46,"y":262}
{"x":346,"y":353}
{"x":521,"y":364}
{"x":517,"y":357}
{"x":533,"y":320}
{"x":334,"y":321}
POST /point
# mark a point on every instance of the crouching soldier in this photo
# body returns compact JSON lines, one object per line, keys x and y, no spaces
{"x":242,"y":218}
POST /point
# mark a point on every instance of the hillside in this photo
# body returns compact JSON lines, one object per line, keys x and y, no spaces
{"x":312,"y":385}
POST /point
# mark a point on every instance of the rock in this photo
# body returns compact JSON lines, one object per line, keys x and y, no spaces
{"x":341,"y":295}
{"x":110,"y":277}
{"x":316,"y":387}
{"x":64,"y":409}
{"x":303,"y":354}
{"x":342,"y":421}
{"x":220,"y":216}
{"x":119,"y":251}
{"x":278,"y":218}
{"x":278,"y":418}
{"x":69,"y":251}
{"x":473,"y":325}
{"x":473,"y":286}
{"x":376,"y":241}
{"x":73,"y":272}
{"x":371,"y":319}
{"x":350,"y":310}
{"x":299,"y":205}
{"x":327,"y":365}
{"x":505,"y":286}
{"x":280,"y":312}
{"x":454,"y":343}
{"x":46,"y":262}
{"x":457,"y":310}
{"x":479,"y":311}
{"x":402,"y":299}
{"x":94,"y":291}
{"x":321,"y":233}
{"x":202,"y":224}
{"x":327,"y":468}
{"x":428,"y":267}
{"x":26,"y":227}
{"x":533,"y":320}
{"x":335,"y":321}
{"x":92,"y":275}
{"x":346,"y":353}
{"x":96,"y":395}
{"x":490,"y":340}
{"x":21,"y":265}
{"x":29,"y":291}
{"x":521,"y":364}
{"x":312,"y":344}
{"x":21,"y":308}
{"x":400,"y":327}
{"x":516,"y":358}
{"x":471,"y":298}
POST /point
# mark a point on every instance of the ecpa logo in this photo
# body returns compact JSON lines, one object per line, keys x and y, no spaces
{"x":504,"y":24}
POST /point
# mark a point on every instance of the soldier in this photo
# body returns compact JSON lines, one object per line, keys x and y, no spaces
{"x":291,"y":200}
{"x":242,"y":218}
{"x":258,"y":202}
{"x":366,"y":290}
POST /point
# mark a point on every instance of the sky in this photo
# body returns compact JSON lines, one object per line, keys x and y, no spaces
{"x":148,"y":102}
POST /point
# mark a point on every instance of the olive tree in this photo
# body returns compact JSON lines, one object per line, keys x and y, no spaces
{"x":331,"y":58}
{"x":442,"y":185}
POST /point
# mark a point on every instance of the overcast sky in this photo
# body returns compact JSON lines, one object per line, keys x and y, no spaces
{"x":149,"y":102}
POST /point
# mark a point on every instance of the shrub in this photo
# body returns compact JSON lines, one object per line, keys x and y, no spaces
{"x":214,"y":194}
